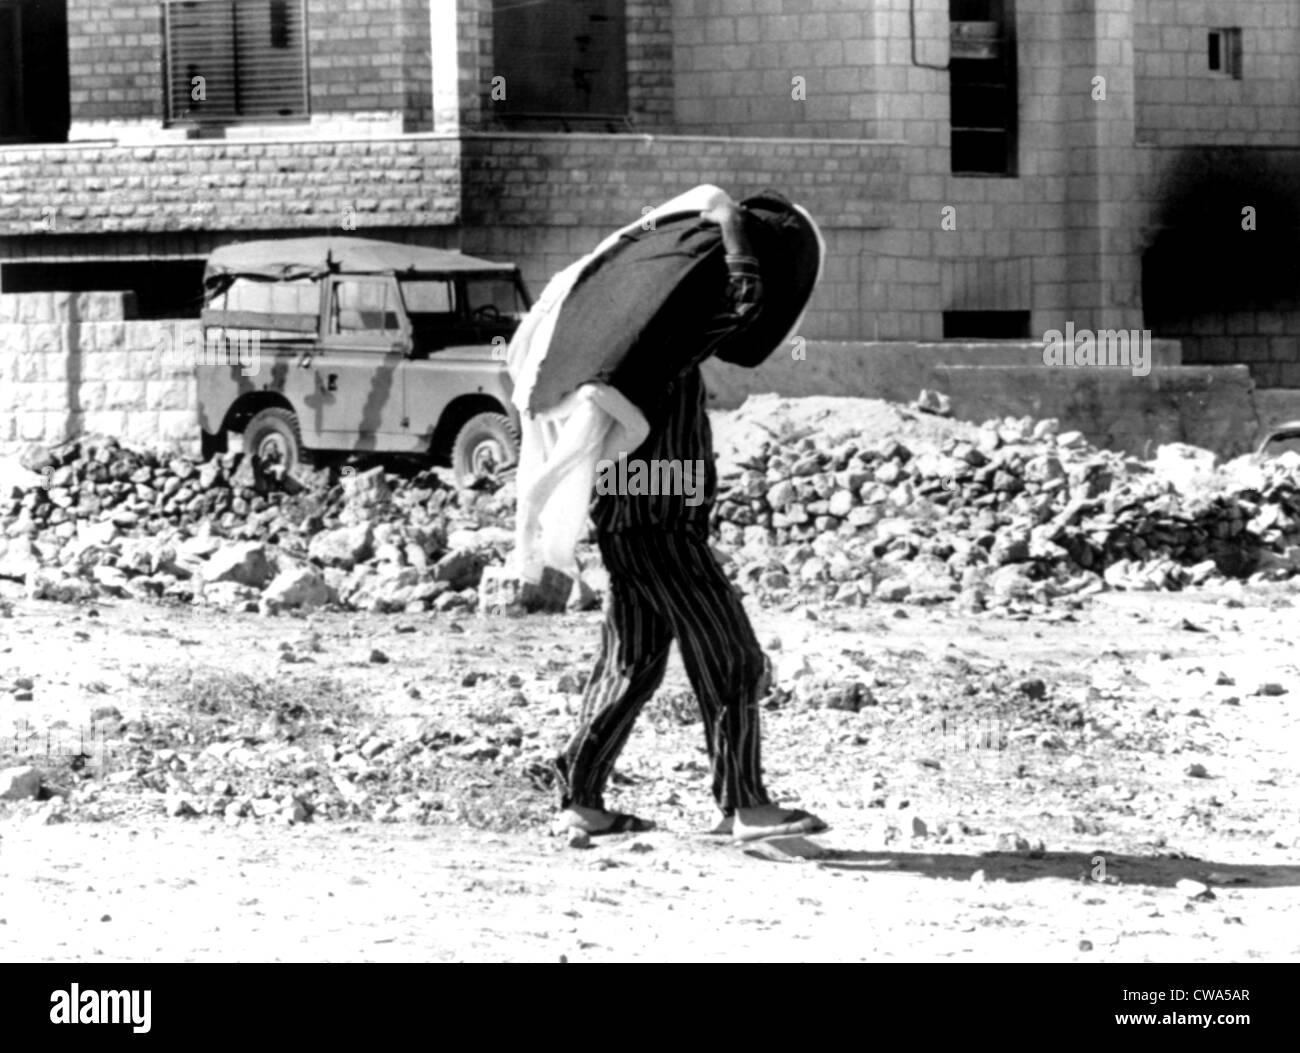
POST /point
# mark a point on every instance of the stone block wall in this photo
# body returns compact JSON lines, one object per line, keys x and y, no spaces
{"x":75,"y":364}
{"x":228,"y":186}
{"x":367,"y":62}
{"x":1181,"y":100}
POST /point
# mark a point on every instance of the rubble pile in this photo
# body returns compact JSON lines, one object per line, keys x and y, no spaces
{"x":861,"y":500}
{"x":110,"y":520}
{"x":1017,"y":510}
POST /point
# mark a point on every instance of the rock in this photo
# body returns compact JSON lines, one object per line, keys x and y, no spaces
{"x":37,"y":458}
{"x":933,"y":402}
{"x":298,"y":587}
{"x":893,"y":591}
{"x":1011,"y":546}
{"x":850,"y":697}
{"x":461,"y":570}
{"x":372,"y":747}
{"x":1033,"y":688}
{"x":179,"y":806}
{"x":377,"y":657}
{"x":1194,"y":889}
{"x":344,"y":547}
{"x":366,"y":490}
{"x":1197,"y":771}
{"x":244,"y":564}
{"x":230,"y":595}
{"x":1270,"y":689}
{"x":20,"y":784}
{"x":44,"y":585}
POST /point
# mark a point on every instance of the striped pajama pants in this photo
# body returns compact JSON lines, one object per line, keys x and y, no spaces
{"x":666,"y":585}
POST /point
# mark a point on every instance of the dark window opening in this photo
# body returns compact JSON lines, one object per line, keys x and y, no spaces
{"x":982,"y":87}
{"x":34,"y":72}
{"x":986,"y":325}
{"x":236,"y":60}
{"x":1224,"y":52}
{"x":162,"y":288}
{"x":279,"y":24}
{"x":562,"y":64}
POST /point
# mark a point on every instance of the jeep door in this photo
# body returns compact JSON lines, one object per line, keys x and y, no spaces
{"x":435,"y":309}
{"x":357,"y":375}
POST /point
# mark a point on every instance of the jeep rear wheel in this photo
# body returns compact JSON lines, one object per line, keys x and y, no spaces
{"x":273,"y":441}
{"x":486,"y":447}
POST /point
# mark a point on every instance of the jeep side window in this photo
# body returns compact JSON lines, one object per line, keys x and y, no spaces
{"x":493,"y":299}
{"x":429,"y":302}
{"x":280,"y":310}
{"x":362,"y":308}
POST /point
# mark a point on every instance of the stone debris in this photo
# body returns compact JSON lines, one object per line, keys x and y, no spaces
{"x":836,"y":501}
{"x":111,"y":521}
{"x":20,"y":784}
{"x":1012,"y":511}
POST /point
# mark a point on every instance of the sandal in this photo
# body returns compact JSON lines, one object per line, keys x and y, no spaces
{"x":798,"y":824}
{"x":623,"y":823}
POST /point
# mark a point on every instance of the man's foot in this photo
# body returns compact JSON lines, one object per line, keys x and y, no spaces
{"x":597,"y":821}
{"x":770,"y":820}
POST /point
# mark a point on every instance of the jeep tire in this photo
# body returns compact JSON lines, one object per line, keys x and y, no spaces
{"x":274,"y":442}
{"x":486,"y":446}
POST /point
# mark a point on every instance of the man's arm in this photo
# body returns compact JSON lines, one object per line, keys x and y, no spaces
{"x":743,"y":298}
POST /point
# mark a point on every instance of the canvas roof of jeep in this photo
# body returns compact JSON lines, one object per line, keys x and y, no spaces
{"x":287,"y":259}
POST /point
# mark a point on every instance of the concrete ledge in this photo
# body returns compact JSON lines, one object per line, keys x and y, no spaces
{"x":893,"y":370}
{"x":1209,"y":406}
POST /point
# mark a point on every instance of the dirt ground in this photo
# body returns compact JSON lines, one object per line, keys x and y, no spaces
{"x":1061,"y":835}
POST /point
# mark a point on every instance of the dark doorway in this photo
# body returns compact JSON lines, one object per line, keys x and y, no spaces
{"x":33,"y":71}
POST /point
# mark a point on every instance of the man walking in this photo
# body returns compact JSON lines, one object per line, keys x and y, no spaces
{"x":665,"y":584}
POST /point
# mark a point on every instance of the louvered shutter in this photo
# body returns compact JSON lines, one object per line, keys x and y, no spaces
{"x":250,"y":54}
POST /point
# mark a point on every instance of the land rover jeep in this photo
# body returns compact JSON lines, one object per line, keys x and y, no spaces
{"x":361,"y":346}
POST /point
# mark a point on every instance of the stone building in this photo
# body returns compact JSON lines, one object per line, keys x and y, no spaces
{"x":981,"y":168}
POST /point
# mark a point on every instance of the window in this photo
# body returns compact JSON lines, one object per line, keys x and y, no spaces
{"x":559,"y":62}
{"x":33,"y":71}
{"x":494,"y":298}
{"x":236,"y":60}
{"x":425,"y":297}
{"x":986,"y":325}
{"x":1224,"y":52}
{"x":283,"y":310}
{"x":11,"y":71}
{"x":365,"y":309}
{"x":982,"y":87}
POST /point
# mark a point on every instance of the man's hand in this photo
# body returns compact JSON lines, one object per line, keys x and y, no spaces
{"x":724,"y":215}
{"x":730,"y":217}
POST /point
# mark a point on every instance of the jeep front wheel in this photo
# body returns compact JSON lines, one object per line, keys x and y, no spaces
{"x":273,"y":441}
{"x":485,"y":448}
